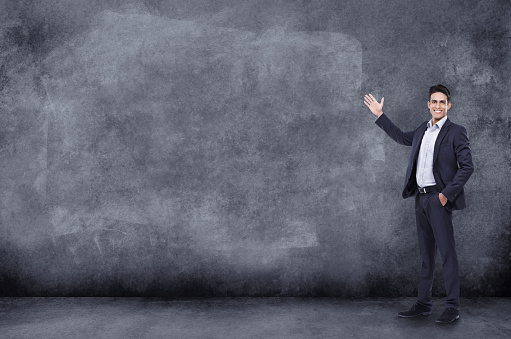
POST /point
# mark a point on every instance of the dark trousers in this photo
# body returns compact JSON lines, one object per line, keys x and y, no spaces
{"x":434,"y":229}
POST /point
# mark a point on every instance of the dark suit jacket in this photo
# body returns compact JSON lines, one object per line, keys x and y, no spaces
{"x":452,"y":160}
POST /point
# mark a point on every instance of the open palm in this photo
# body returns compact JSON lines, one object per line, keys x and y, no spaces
{"x":375,"y":106}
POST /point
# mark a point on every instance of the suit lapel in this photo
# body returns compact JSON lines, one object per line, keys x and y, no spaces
{"x":441,"y":135}
{"x":418,"y":140}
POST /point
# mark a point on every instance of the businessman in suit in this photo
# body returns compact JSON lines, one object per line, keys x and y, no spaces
{"x":440,"y":165}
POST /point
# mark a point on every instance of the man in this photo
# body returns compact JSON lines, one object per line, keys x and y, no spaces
{"x":440,"y":165}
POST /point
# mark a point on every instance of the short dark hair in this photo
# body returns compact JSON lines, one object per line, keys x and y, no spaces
{"x":440,"y":88}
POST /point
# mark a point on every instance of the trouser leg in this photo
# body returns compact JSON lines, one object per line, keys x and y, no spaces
{"x":441,"y":223}
{"x":427,"y":249}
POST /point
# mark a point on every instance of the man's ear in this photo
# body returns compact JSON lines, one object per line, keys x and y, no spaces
{"x":429,"y":104}
{"x":449,"y":105}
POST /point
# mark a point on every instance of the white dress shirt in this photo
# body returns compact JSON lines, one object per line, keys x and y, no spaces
{"x":424,"y":175}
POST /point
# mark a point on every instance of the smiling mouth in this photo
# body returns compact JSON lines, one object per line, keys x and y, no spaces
{"x":438,"y":111}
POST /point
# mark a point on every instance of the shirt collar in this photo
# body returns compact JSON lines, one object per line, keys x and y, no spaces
{"x":439,"y":123}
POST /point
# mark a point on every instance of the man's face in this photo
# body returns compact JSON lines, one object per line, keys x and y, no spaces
{"x":438,"y":105}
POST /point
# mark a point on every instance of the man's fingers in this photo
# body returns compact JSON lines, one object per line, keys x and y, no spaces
{"x":368,"y":99}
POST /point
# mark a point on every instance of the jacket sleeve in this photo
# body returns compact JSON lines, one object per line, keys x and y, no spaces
{"x":403,"y":138}
{"x":465,"y":165}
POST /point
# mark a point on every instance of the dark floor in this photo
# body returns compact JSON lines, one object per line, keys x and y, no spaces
{"x":244,"y":318}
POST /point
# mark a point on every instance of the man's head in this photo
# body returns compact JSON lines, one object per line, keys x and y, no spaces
{"x":439,"y":102}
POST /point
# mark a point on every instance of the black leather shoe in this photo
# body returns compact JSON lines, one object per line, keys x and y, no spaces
{"x":416,"y":310}
{"x":449,"y":315}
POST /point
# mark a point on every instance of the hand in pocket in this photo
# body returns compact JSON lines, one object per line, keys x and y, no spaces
{"x":443,"y":200}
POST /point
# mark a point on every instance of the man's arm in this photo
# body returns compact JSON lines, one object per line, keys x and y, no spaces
{"x":403,"y":138}
{"x":465,"y":165}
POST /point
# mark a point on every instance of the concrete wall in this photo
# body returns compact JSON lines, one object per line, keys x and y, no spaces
{"x":222,"y":148}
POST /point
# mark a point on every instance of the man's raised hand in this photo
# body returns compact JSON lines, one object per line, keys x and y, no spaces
{"x":374,"y":106}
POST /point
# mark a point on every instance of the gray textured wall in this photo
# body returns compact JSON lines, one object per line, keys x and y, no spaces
{"x":222,"y":148}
